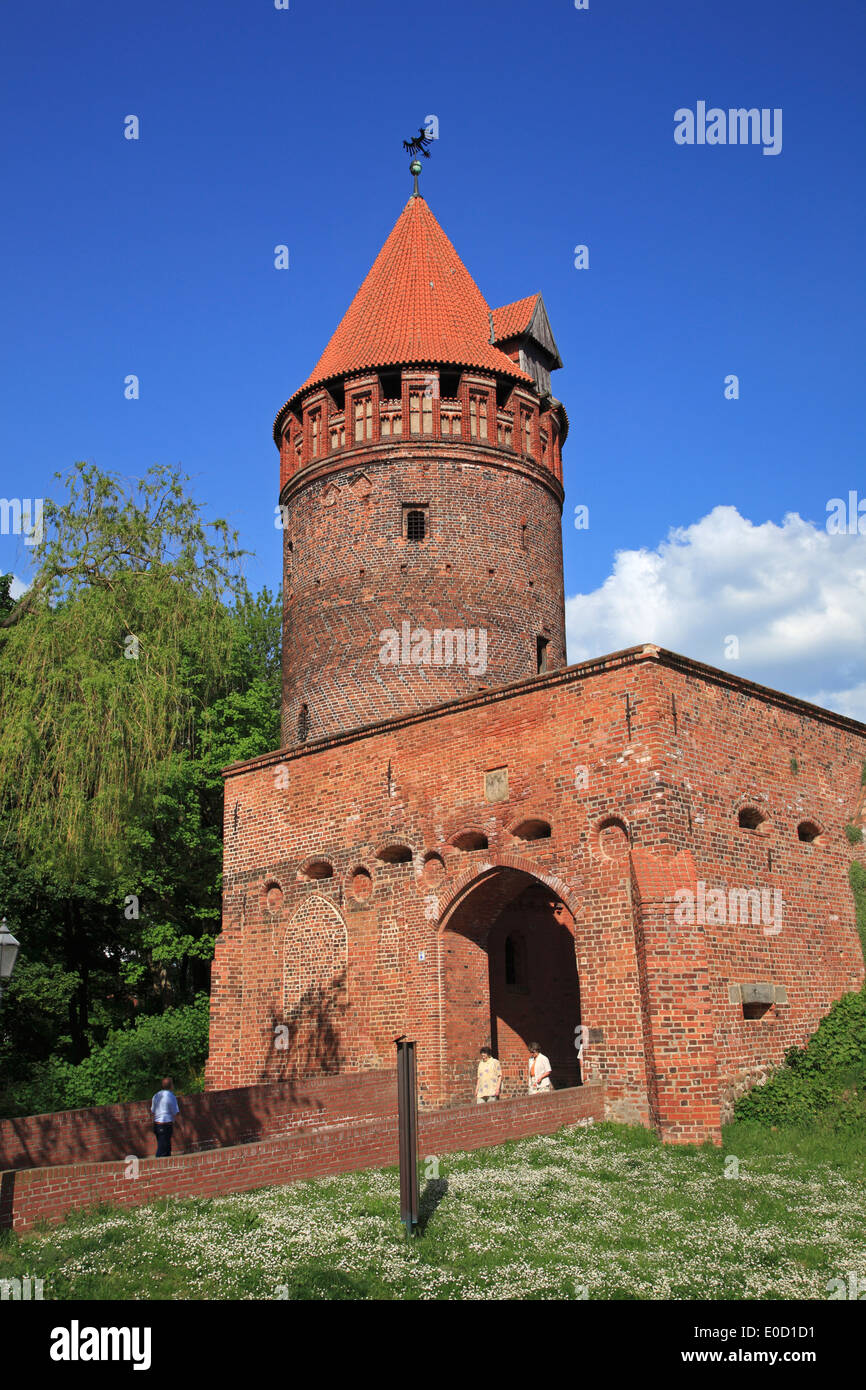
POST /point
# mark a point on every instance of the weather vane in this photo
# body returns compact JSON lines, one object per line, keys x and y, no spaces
{"x":419,"y":144}
{"x":415,"y":147}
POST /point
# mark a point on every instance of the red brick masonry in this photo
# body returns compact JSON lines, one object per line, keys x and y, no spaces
{"x":216,"y":1119}
{"x":637,"y":765}
{"x":48,"y":1194}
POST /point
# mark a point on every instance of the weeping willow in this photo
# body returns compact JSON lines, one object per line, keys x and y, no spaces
{"x":105,"y":663}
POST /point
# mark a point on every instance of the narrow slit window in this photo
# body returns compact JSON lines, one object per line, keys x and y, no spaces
{"x":363,"y":418}
{"x":515,"y":963}
{"x":541,"y":656}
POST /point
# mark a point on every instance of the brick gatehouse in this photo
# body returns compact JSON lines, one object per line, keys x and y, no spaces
{"x":639,"y":861}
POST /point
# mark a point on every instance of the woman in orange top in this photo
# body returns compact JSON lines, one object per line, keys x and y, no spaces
{"x":539,"y":1071}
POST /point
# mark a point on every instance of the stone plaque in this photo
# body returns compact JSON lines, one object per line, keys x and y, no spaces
{"x":496,"y":784}
{"x":758,"y":993}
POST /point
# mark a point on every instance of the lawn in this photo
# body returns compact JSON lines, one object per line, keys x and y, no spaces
{"x":598,"y":1212}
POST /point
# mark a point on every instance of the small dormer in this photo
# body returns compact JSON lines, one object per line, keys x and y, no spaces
{"x":522,"y":331}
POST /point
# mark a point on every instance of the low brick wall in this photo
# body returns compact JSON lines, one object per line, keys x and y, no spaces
{"x":32,"y":1195}
{"x":214,"y":1119}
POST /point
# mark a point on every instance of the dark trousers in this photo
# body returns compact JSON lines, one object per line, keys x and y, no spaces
{"x":163,"y":1140}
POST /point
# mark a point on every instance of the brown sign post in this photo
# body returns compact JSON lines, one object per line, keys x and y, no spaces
{"x":407,"y":1123}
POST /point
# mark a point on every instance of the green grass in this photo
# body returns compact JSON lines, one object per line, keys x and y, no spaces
{"x":604,"y":1212}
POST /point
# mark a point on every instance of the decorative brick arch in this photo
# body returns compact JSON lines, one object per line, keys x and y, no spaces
{"x":313,"y":991}
{"x":759,"y":800}
{"x":475,"y":874}
{"x":524,"y":816}
{"x":466,"y":828}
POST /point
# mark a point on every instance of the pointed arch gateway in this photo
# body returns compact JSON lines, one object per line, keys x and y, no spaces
{"x":508,"y":976}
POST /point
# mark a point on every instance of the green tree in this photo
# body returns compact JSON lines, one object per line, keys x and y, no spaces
{"x":123,"y":638}
{"x":110,"y":766}
{"x":7,"y":603}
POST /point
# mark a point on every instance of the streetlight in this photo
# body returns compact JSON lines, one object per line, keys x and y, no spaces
{"x":8,"y":955}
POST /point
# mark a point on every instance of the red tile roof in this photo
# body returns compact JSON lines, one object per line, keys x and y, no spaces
{"x":418,"y":304}
{"x":513,"y":319}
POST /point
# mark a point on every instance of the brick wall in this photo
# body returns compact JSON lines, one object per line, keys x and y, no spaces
{"x":638,"y":762}
{"x":732,"y":745}
{"x":215,"y":1119}
{"x":48,"y":1194}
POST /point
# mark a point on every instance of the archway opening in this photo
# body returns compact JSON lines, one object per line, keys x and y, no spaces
{"x":509,"y":979}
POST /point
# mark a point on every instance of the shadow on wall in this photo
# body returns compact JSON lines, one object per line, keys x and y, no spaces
{"x":307,"y":1040}
{"x":214,"y":1119}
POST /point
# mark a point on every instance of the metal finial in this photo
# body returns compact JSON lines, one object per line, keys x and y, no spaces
{"x":415,"y":168}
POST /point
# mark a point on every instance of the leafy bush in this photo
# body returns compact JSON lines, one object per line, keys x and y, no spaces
{"x":128,"y":1066}
{"x":824,"y":1082}
{"x":857,"y":879}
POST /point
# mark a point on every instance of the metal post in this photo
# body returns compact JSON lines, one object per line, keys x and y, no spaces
{"x":407,"y":1123}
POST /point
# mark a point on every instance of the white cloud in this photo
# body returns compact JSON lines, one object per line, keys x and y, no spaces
{"x":793,"y":595}
{"x":17,"y":587}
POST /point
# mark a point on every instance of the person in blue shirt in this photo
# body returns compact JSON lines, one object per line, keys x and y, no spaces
{"x":164,"y":1108}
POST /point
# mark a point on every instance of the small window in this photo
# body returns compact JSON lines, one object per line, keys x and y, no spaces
{"x":532,"y":829}
{"x":750,"y":818}
{"x":515,"y":963}
{"x":756,"y":1010}
{"x":541,"y":657}
{"x":395,"y":854}
{"x":363,"y":418}
{"x":809,"y":832}
{"x":469,"y":840}
{"x":319,"y":868}
{"x":303,"y":724}
{"x":527,"y":432}
{"x":415,"y":523}
{"x":449,"y":384}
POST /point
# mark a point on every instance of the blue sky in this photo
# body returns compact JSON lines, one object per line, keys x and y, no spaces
{"x":260,"y":127}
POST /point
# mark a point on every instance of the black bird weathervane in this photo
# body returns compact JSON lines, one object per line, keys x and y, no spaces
{"x":417,"y":146}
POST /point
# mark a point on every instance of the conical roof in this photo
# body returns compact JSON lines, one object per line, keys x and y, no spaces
{"x":418,"y":303}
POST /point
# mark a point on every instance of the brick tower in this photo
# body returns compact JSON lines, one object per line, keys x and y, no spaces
{"x":470,"y":842}
{"x":421,"y":496}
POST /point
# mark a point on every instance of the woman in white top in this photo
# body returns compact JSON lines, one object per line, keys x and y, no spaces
{"x":539,"y":1071}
